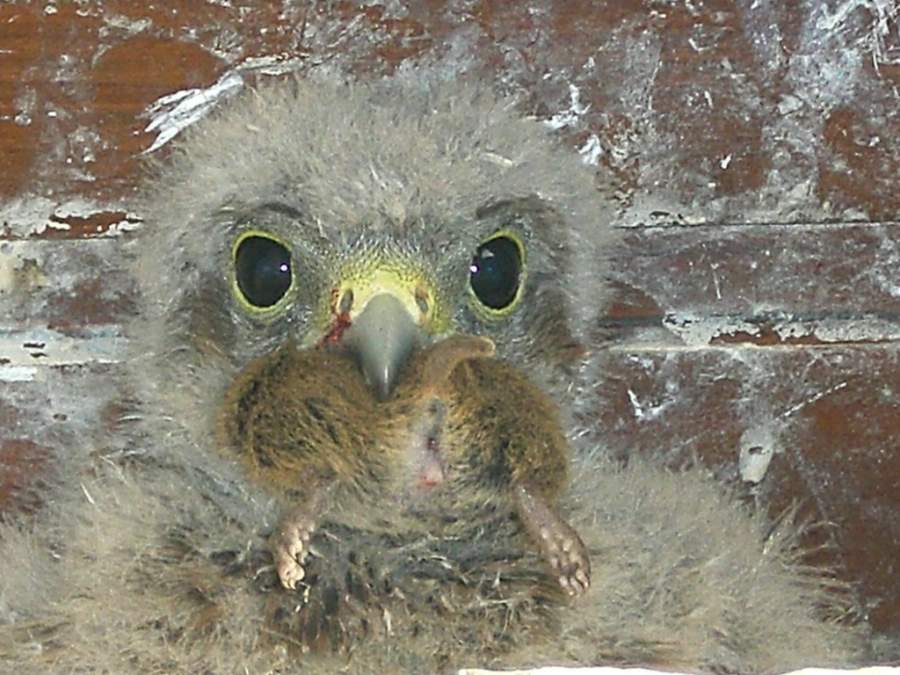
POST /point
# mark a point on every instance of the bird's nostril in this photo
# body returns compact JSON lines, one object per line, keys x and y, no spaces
{"x":422,"y":300}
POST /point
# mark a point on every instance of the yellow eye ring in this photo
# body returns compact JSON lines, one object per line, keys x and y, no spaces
{"x":262,"y":273}
{"x":497,"y":274}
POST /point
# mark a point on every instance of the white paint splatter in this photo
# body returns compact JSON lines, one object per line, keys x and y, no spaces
{"x":173,"y":113}
{"x":789,"y":104}
{"x":888,"y":13}
{"x":591,"y":151}
{"x":103,"y":344}
{"x":51,"y":225}
{"x":8,"y":264}
{"x":698,"y":330}
{"x":569,"y":117}
{"x":885,"y":15}
{"x":887,"y":276}
{"x":30,"y":215}
{"x":636,"y":404}
{"x":758,"y":447}
{"x":18,"y":373}
{"x":270,"y":65}
{"x":644,"y":412}
{"x":839,"y":330}
{"x":128,"y":224}
{"x":125,"y":24}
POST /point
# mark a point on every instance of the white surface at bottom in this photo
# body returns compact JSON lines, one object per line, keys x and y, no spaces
{"x":872,"y":670}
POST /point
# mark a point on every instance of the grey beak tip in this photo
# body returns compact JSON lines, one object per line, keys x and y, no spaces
{"x":383,"y":383}
{"x":382,"y":338}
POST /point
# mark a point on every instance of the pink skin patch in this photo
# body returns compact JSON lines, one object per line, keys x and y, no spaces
{"x":426,"y":461}
{"x":431,"y":469}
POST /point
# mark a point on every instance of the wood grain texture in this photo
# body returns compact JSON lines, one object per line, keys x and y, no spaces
{"x":752,"y":150}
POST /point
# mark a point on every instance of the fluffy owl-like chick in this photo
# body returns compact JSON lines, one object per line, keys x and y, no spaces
{"x":366,"y":324}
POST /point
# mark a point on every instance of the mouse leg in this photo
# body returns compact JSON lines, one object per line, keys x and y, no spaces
{"x":558,"y":541}
{"x":290,"y":542}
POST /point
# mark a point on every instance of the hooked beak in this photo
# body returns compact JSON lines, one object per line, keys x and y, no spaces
{"x":382,"y":337}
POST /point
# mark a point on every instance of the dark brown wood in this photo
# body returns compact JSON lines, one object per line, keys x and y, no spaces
{"x":829,"y":418}
{"x":752,"y":150}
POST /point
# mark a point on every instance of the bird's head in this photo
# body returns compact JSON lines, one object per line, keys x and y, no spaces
{"x":382,"y":297}
{"x":372,"y":220}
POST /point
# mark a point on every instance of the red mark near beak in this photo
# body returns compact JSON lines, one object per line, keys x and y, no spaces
{"x":339,"y":325}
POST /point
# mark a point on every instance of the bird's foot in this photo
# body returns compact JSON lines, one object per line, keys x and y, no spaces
{"x":559,"y":542}
{"x":290,"y":547}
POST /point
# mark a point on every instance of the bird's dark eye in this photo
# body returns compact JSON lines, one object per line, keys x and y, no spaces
{"x":262,"y":270}
{"x":496,"y":271}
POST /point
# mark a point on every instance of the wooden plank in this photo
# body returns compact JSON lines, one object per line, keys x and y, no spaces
{"x":758,"y":283}
{"x":762,"y":284}
{"x":23,"y":353}
{"x":712,"y":111}
{"x":68,"y":111}
{"x":820,"y":425}
{"x":47,"y":414}
{"x":750,"y":269}
{"x":63,"y":287}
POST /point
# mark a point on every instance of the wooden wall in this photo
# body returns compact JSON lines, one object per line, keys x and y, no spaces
{"x":752,"y":148}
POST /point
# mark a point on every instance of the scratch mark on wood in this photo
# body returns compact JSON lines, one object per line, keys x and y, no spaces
{"x":820,"y":395}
